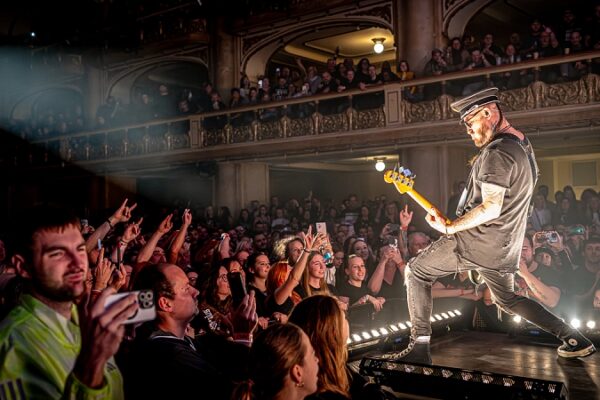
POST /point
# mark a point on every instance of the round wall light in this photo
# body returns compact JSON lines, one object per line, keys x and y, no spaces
{"x":378,"y":45}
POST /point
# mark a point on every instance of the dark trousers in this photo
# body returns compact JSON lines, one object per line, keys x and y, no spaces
{"x":441,"y":259}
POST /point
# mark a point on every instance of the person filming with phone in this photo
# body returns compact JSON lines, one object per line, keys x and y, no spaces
{"x":49,"y":348}
{"x":163,"y":353}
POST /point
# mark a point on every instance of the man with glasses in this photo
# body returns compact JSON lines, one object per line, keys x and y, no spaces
{"x":488,"y":234}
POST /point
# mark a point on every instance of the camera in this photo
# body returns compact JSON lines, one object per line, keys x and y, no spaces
{"x":392,"y":242}
{"x":145,"y":299}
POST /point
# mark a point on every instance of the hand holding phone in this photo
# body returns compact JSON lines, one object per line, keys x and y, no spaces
{"x":145,"y":299}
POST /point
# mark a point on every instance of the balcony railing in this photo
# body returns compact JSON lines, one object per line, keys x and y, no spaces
{"x":320,"y":116}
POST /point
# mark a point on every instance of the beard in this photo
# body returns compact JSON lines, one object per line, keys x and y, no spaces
{"x":59,"y":293}
{"x":484,"y":134}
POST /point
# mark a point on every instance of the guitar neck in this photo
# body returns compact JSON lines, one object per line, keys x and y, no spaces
{"x":423,"y":202}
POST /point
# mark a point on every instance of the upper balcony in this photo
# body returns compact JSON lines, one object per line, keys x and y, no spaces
{"x":564,"y":116}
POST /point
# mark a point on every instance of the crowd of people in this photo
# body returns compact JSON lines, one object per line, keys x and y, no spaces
{"x":310,"y":273}
{"x":569,"y":34}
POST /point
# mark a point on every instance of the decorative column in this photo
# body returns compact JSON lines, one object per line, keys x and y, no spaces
{"x":93,"y":94}
{"x":240,"y":183}
{"x":225,"y":65}
{"x":417,"y":31}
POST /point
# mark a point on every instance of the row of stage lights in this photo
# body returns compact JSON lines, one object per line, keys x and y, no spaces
{"x":367,"y":336}
{"x":575,"y":322}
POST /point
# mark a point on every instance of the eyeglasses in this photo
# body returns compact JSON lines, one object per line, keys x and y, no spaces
{"x":468,"y":123}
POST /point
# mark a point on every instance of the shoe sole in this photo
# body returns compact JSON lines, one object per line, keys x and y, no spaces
{"x":588,"y":351}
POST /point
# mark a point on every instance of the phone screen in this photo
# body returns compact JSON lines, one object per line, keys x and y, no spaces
{"x":322,"y":228}
{"x":237,"y":286}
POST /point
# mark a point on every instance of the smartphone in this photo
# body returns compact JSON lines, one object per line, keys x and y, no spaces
{"x":237,"y":287}
{"x":322,"y":228}
{"x":260,"y":84}
{"x":145,"y":299}
{"x":84,"y":222}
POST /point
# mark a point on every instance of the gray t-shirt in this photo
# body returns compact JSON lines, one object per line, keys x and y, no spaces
{"x":497,"y":244}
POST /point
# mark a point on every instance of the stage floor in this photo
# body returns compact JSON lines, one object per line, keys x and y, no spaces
{"x":520,"y":356}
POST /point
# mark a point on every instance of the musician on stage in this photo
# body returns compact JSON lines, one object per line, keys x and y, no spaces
{"x":488,"y":234}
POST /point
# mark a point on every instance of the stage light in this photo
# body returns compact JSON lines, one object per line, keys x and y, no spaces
{"x":591,"y":324}
{"x":32,"y":34}
{"x":376,"y":334}
{"x":575,"y":323}
{"x":517,"y":319}
{"x":457,"y":312}
{"x":379,"y":164}
{"x":378,"y":45}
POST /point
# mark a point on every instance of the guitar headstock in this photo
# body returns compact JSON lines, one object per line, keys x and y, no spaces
{"x":402,"y":178}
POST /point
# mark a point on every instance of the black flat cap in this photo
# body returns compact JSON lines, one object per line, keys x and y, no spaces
{"x":471,"y":103}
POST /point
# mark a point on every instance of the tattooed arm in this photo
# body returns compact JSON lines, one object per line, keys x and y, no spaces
{"x":490,"y":208}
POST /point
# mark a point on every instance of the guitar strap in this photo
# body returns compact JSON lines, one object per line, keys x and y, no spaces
{"x":526,"y":147}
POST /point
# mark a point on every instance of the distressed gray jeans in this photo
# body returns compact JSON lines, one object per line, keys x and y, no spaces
{"x":441,"y":259}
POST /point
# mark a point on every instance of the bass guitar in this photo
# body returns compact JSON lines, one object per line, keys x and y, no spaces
{"x":404,"y":180}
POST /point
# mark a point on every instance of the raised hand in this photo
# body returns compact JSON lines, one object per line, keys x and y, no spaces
{"x":187,"y":217}
{"x":405,"y":217}
{"x":102,"y":272}
{"x":166,"y":225}
{"x":123,"y":213}
{"x":119,"y":278}
{"x":244,"y":319}
{"x":132,"y":231}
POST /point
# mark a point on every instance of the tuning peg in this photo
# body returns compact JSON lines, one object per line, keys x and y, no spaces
{"x":407,"y":172}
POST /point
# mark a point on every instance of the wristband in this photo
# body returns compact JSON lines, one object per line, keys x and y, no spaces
{"x":404,"y":228}
{"x":109,"y":224}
